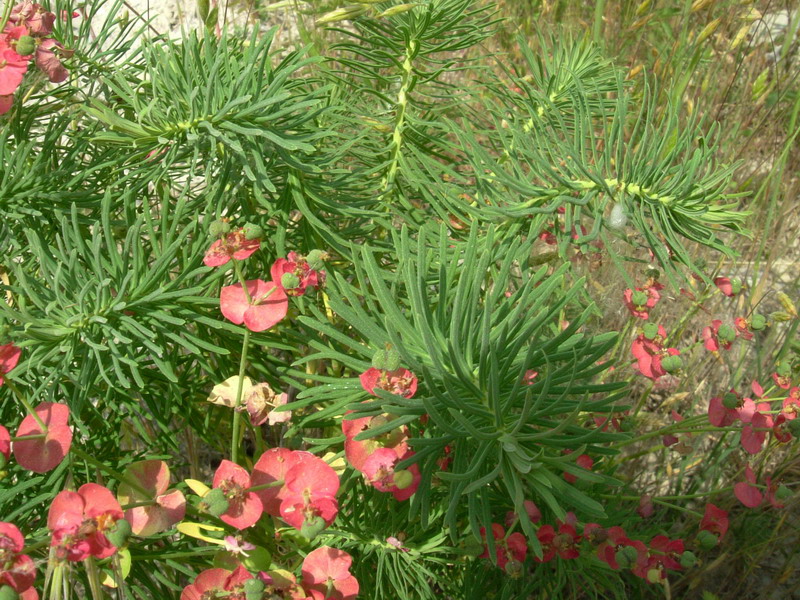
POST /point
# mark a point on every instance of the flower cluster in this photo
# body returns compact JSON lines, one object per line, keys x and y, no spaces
{"x":28,"y":36}
{"x":17,"y":570}
{"x":653,"y":358}
{"x":641,"y":299}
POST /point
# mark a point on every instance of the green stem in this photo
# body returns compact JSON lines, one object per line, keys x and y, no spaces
{"x":265,"y":486}
{"x":240,"y":276}
{"x":6,"y":14}
{"x":110,"y":471}
{"x":237,"y":415}
{"x":400,"y":117}
{"x":26,"y":404}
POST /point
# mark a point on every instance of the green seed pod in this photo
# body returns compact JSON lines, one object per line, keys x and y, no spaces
{"x":639,"y":298}
{"x":730,"y":400}
{"x":312,"y":527}
{"x":8,"y":593}
{"x":784,"y":369}
{"x":736,"y":285}
{"x":650,"y":330}
{"x":215,"y":503}
{"x":783,"y":492}
{"x":707,"y":540}
{"x":402,"y":479}
{"x":672,"y":363}
{"x":794,"y":427}
{"x":626,"y":557}
{"x":120,"y":533}
{"x":25,"y":45}
{"x":290,"y":281}
{"x":726,"y":333}
{"x":316,"y":259}
{"x":514,"y":569}
{"x":252,"y":232}
{"x":688,"y":559}
{"x":254,"y":589}
{"x":218,"y":228}
{"x":379,"y":359}
{"x":758,"y":322}
{"x":392,"y":359}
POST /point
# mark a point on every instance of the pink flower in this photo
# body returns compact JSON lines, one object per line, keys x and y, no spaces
{"x":617,"y":540}
{"x":300,"y":275}
{"x":718,"y":336}
{"x":9,"y":357}
{"x":6,"y":102}
{"x":153,"y":478}
{"x":272,"y":467}
{"x":720,"y":415}
{"x":43,"y":452}
{"x":746,"y":491}
{"x":513,"y":547}
{"x":379,"y":469}
{"x":727,"y":286}
{"x":33,"y":17}
{"x":213,"y":583}
{"x":79,"y":520}
{"x":791,"y":404}
{"x":754,"y":433}
{"x":5,"y":445}
{"x":311,"y":486}
{"x":16,"y":569}
{"x":233,"y":246}
{"x":650,"y":354}
{"x":267,"y":306}
{"x":783,"y":380}
{"x":244,"y":507}
{"x":640,"y":300}
{"x":326,"y":574}
{"x":12,"y":69}
{"x":357,"y":452}
{"x":400,"y":382}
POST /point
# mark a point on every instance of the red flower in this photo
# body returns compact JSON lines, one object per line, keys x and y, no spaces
{"x":530,"y":376}
{"x":169,"y":508}
{"x":754,"y":433}
{"x":5,"y":445}
{"x":782,"y":380}
{"x":727,"y":286}
{"x":746,"y":491}
{"x":16,"y":570}
{"x":715,"y":520}
{"x":780,"y":430}
{"x":650,"y":353}
{"x":400,"y":382}
{"x":507,"y":548}
{"x":233,"y":246}
{"x":564,"y":543}
{"x":616,"y":542}
{"x":720,"y":415}
{"x":79,"y":521}
{"x":301,"y":275}
{"x":42,"y":454}
{"x":272,"y":467}
{"x":326,"y":574}
{"x":718,"y":336}
{"x":213,"y":583}
{"x":267,"y":306}
{"x":9,"y":357}
{"x":379,"y":469}
{"x":791,"y":405}
{"x":310,"y":492}
{"x":244,"y":507}
{"x":743,"y":328}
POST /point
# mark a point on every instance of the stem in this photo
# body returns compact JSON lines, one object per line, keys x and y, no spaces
{"x":400,"y":118}
{"x":138,"y":504}
{"x":114,"y":473}
{"x":26,"y":404}
{"x":237,"y":415}
{"x":6,"y":15}
{"x":265,"y":486}
{"x":240,"y":276}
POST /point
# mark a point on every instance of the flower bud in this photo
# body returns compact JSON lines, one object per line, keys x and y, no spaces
{"x":252,"y":232}
{"x":218,"y":228}
{"x":650,"y":331}
{"x":729,"y":400}
{"x":688,"y":559}
{"x":8,"y":593}
{"x":25,"y":45}
{"x":707,"y":540}
{"x":672,"y":363}
{"x":639,"y":298}
{"x":214,"y":502}
{"x":254,"y":589}
{"x":726,"y":333}
{"x":402,"y":479}
{"x":758,"y":322}
{"x":290,"y":281}
{"x":119,"y":533}
{"x":316,"y":259}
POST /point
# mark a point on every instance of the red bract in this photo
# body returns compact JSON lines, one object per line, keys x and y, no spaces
{"x":564,"y":543}
{"x":310,"y":492}
{"x":48,"y":60}
{"x":267,"y":306}
{"x":244,"y":507}
{"x":302,"y":275}
{"x":640,"y":300}
{"x":780,"y":430}
{"x":584,"y":461}
{"x":233,"y":246}
{"x":380,"y":471}
{"x":34,"y":17}
{"x":743,"y":328}
{"x":213,"y":583}
{"x":400,"y":382}
{"x":715,"y":520}
{"x":512,"y":547}
{"x":719,"y":415}
{"x":272,"y":467}
{"x":649,"y":354}
{"x":42,"y":454}
{"x":9,"y":357}
{"x":5,"y":445}
{"x":667,"y":553}
{"x":746,"y":491}
{"x":16,"y":570}
{"x":153,"y":479}
{"x":718,"y":336}
{"x":79,"y":520}
{"x":754,"y":432}
{"x":725,"y":286}
{"x":533,"y":512}
{"x":326,"y":574}
{"x":357,"y":452}
{"x":617,"y":541}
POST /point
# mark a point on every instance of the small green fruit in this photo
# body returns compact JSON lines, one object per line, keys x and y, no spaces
{"x":402,"y":479}
{"x":758,"y":322}
{"x":730,"y":400}
{"x":120,"y":533}
{"x":290,"y":281}
{"x":252,"y":232}
{"x":707,"y":540}
{"x":650,"y":331}
{"x":688,"y":559}
{"x":26,"y":45}
{"x":254,"y":589}
{"x":8,"y":593}
{"x":215,"y":503}
{"x":316,"y":259}
{"x":726,"y":333}
{"x":218,"y":228}
{"x":672,"y":363}
{"x":638,"y":298}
